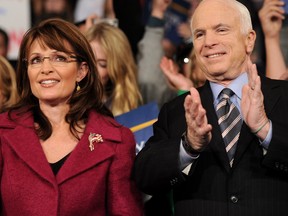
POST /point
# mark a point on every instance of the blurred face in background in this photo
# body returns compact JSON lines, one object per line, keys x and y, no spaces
{"x":101,"y":60}
{"x":3,"y":48}
{"x":55,"y":6}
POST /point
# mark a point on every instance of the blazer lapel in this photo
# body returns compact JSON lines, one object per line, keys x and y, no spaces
{"x":82,"y":158}
{"x":25,"y":143}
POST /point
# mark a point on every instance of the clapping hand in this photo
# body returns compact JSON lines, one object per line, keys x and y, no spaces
{"x":252,"y":104}
{"x":198,"y":130}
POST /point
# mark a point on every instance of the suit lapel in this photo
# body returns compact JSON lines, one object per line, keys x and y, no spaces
{"x":245,"y":139}
{"x":82,"y":158}
{"x":217,"y":144}
{"x":271,"y":91}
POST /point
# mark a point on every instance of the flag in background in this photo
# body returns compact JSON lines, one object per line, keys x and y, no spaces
{"x":140,"y":122}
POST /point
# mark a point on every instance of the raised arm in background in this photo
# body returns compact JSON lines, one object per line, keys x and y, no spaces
{"x":271,"y":16}
{"x":153,"y":84}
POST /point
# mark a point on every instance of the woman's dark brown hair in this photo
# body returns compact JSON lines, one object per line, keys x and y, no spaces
{"x":53,"y":33}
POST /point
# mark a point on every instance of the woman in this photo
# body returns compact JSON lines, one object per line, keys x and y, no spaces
{"x":116,"y":66}
{"x":8,"y":90}
{"x":62,"y":153}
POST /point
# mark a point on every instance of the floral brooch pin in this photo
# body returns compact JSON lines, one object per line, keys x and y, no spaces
{"x":93,"y":137}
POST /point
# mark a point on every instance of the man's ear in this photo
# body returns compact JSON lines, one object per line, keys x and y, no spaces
{"x":250,"y":41}
{"x":82,"y":71}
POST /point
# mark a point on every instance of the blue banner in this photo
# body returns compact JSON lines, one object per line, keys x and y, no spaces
{"x":176,"y":14}
{"x":140,"y":122}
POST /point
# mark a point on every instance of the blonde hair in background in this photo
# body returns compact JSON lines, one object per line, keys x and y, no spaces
{"x":8,"y":87}
{"x":122,"y":70}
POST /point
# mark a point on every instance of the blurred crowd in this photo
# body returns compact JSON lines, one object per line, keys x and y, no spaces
{"x":158,"y":34}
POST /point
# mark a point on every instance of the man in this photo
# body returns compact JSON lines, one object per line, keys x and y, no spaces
{"x":220,"y":164}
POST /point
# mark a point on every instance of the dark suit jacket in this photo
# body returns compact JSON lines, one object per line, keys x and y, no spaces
{"x":94,"y":182}
{"x":257,"y":184}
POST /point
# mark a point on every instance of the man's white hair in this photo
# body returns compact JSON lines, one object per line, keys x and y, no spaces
{"x":244,"y":15}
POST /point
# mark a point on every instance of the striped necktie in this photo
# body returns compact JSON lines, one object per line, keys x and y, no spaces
{"x":230,"y":122}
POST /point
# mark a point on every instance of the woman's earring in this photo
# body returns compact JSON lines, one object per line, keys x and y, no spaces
{"x":78,"y":87}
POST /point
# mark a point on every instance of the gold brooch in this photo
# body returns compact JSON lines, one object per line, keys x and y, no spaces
{"x":93,"y":137}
